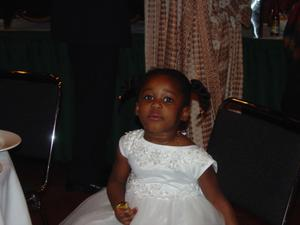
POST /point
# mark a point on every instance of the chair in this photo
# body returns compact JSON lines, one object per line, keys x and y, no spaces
{"x":29,"y":107}
{"x":258,"y":155}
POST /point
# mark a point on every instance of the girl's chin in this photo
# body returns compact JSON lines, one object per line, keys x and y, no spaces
{"x":153,"y":129}
{"x":156,"y":129}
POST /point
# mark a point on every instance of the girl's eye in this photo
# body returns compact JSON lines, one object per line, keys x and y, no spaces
{"x":148,"y":97}
{"x":168,"y":99}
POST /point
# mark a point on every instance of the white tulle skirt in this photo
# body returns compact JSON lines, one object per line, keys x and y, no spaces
{"x":96,"y":210}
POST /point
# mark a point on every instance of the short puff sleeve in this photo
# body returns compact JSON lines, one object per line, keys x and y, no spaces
{"x":127,"y":140}
{"x":204,"y":161}
{"x":123,"y":145}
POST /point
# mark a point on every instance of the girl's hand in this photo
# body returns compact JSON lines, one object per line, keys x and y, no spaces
{"x":125,"y":215}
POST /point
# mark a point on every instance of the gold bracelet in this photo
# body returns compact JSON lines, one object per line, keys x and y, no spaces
{"x":122,"y":205}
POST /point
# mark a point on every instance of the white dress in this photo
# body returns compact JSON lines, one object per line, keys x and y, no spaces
{"x":163,"y":186}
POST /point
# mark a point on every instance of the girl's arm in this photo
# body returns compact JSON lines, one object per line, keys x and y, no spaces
{"x":117,"y":180}
{"x":210,"y":188}
{"x":116,"y":189}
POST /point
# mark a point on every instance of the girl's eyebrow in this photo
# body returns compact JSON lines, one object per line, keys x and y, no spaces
{"x":169,"y":91}
{"x":165,"y":90}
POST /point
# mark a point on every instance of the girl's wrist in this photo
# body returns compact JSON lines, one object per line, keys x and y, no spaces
{"x":121,"y":205}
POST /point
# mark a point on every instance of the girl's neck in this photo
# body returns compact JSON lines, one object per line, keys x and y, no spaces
{"x":160,"y":138}
{"x":173,"y":138}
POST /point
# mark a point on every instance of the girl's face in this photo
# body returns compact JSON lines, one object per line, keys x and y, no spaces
{"x":159,"y":106}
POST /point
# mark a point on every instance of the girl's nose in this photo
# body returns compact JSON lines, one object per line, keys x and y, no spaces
{"x":156,"y":103}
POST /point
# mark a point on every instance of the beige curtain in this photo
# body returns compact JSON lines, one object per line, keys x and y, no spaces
{"x":202,"y":39}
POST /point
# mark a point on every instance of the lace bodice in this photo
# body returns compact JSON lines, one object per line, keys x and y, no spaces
{"x":163,"y":171}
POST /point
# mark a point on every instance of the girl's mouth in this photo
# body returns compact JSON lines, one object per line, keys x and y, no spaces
{"x":154,"y":116}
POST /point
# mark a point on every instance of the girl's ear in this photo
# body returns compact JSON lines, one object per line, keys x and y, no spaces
{"x":185,"y":114}
{"x":137,"y":108}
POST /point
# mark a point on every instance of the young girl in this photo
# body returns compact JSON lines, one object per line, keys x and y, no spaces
{"x":160,"y":177}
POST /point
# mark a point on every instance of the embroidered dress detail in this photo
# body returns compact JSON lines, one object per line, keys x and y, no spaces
{"x":161,"y":191}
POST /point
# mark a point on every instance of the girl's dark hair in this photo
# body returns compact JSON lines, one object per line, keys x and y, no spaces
{"x":186,"y":87}
{"x":202,"y":94}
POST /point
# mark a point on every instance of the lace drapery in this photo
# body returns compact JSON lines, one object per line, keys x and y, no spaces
{"x":203,"y":40}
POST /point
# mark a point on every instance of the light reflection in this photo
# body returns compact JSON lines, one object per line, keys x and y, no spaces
{"x":20,"y":72}
{"x":255,"y":17}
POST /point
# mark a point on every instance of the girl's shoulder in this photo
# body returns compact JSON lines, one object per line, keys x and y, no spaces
{"x":133,"y":134}
{"x":128,"y":139}
{"x":130,"y":136}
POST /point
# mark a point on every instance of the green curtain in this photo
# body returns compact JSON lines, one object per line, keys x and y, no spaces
{"x":265,"y":71}
{"x":38,"y":52}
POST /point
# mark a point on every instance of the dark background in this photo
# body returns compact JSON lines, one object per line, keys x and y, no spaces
{"x":42,"y":8}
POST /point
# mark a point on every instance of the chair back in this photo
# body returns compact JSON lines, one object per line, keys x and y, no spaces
{"x":30,"y":107}
{"x":258,"y":155}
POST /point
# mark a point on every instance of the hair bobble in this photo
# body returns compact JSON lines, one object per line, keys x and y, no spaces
{"x":202,"y":94}
{"x":129,"y":90}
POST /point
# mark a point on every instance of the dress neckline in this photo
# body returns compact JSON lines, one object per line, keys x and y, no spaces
{"x":166,"y":146}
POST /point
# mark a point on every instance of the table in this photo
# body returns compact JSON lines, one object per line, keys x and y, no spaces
{"x":264,"y":80}
{"x":13,"y":207}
